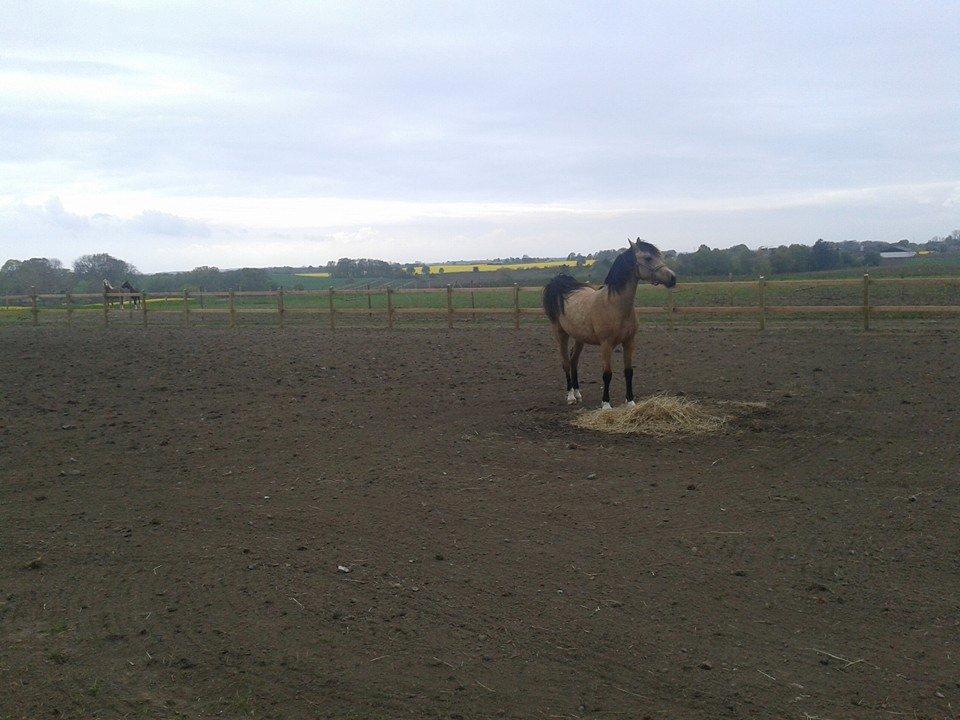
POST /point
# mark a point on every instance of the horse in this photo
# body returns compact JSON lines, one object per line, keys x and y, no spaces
{"x":603,"y":316}
{"x":109,"y":294}
{"x":136,"y":296}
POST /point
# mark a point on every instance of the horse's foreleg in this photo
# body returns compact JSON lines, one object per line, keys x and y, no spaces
{"x":574,"y":360}
{"x":606,"y":353}
{"x":628,"y":369}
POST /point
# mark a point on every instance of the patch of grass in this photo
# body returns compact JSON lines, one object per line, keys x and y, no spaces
{"x":58,"y":628}
{"x":241,"y":704}
{"x":58,"y":657}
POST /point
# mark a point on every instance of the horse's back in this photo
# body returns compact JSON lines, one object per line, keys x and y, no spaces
{"x":576,"y":319}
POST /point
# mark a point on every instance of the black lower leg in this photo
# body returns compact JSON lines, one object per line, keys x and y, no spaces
{"x":606,"y":386}
{"x":628,"y":377}
{"x":574,"y":379}
{"x":569,"y":380}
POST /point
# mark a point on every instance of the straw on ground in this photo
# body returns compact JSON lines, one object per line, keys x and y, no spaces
{"x":660,"y":415}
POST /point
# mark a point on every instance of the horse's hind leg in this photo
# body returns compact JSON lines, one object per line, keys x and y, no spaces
{"x":574,"y":360}
{"x":628,"y":369}
{"x":606,"y":353}
{"x":563,"y":341}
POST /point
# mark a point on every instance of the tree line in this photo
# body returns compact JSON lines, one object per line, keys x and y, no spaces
{"x":20,"y":277}
{"x":741,"y":262}
{"x":738,"y":261}
{"x":48,"y":275}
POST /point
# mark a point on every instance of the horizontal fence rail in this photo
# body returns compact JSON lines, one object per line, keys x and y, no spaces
{"x":864,"y":297}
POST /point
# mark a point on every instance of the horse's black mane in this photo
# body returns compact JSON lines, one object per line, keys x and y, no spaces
{"x":622,"y":270}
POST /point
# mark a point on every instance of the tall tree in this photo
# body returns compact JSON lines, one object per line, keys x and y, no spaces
{"x":40,"y":274}
{"x":98,"y":267}
{"x":825,"y":255}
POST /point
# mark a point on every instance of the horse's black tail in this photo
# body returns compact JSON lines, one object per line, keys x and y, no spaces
{"x":556,"y":291}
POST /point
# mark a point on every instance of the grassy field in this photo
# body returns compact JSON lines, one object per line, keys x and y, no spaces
{"x":919,"y":267}
{"x":807,"y":292}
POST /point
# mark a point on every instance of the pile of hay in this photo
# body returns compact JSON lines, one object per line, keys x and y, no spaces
{"x":659,"y":415}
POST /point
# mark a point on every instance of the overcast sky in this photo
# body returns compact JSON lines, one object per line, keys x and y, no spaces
{"x":265,"y":133}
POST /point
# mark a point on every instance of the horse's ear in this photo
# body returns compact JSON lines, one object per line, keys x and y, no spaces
{"x":630,"y":243}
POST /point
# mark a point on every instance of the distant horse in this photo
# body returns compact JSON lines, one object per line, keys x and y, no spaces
{"x":135,"y":295}
{"x":109,"y":294}
{"x":603,"y":316}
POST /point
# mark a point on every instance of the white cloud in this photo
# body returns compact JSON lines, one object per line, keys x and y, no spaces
{"x":278,"y":231}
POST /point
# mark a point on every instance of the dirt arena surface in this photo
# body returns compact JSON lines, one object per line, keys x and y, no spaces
{"x":174,"y":506}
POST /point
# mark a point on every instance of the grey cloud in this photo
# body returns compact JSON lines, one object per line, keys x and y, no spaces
{"x":484,"y":102}
{"x":51,"y":221}
{"x":158,"y":223}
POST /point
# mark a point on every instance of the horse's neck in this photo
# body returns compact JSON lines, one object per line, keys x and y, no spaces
{"x":623,"y":299}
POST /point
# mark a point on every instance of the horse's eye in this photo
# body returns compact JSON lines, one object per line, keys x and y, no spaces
{"x":648,"y":258}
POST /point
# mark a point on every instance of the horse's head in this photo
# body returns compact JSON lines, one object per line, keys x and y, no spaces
{"x":126,"y":285}
{"x":650,"y":265}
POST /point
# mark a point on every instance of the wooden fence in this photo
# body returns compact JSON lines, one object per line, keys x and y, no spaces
{"x":234,"y":304}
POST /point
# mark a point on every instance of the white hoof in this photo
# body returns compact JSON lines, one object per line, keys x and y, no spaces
{"x":606,"y":406}
{"x":576,"y":392}
{"x":631,"y":403}
{"x":571,"y":398}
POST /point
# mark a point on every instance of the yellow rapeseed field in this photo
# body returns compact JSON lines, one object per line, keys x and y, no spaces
{"x":490,"y":267}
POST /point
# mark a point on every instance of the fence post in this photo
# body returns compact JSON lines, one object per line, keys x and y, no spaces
{"x":449,"y":307}
{"x":369,"y":302}
{"x":33,"y":306}
{"x":280,"y":307}
{"x":68,"y":301}
{"x":473,"y":304}
{"x":233,"y":310}
{"x":671,"y":309}
{"x":762,"y":301}
{"x":333,"y":323}
{"x":389,"y":307}
{"x":516,"y":306}
{"x":866,"y":301}
{"x":186,"y":307}
{"x":106,"y":319}
{"x":143,"y":307}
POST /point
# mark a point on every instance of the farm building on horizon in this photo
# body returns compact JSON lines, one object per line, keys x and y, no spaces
{"x":893,"y":254}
